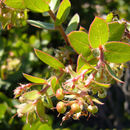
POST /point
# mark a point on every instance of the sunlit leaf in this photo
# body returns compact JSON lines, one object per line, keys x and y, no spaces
{"x":48,"y":59}
{"x":54,"y":4}
{"x":18,"y":4}
{"x":116,"y":31}
{"x":63,"y":12}
{"x":73,"y":24}
{"x":79,"y":42}
{"x":117,"y":52}
{"x":37,"y":5}
{"x":98,"y":32}
{"x":34,"y":79}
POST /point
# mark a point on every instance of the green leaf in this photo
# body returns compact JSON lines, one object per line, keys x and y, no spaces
{"x":31,"y":118}
{"x":73,"y":24}
{"x":54,"y":83}
{"x":32,"y":95}
{"x":48,"y":59}
{"x":63,"y":12}
{"x":102,"y":84}
{"x":112,"y":74}
{"x":3,"y":108}
{"x":117,"y":52}
{"x":43,"y":25}
{"x":37,"y":5}
{"x":54,"y":4}
{"x":98,"y":32}
{"x":81,"y":62}
{"x":79,"y":42}
{"x":34,"y":79}
{"x":40,"y":110}
{"x":116,"y":31}
{"x":18,"y":4}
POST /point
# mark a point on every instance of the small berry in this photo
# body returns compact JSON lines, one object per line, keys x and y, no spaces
{"x":75,"y":108}
{"x":59,"y":94}
{"x":61,"y":108}
{"x":92,"y":109}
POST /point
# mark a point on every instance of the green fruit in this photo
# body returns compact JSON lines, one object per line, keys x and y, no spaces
{"x":61,"y":108}
{"x":102,"y":93}
{"x":59,"y":94}
{"x":75,"y":108}
{"x":92,"y":109}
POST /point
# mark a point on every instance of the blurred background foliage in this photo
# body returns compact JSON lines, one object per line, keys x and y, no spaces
{"x":17,"y":56}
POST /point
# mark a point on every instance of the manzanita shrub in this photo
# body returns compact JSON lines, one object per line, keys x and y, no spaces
{"x":102,"y":55}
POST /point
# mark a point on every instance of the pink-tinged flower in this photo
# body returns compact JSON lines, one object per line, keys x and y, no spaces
{"x":22,"y":88}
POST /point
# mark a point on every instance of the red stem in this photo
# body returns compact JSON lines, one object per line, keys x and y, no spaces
{"x":60,"y":28}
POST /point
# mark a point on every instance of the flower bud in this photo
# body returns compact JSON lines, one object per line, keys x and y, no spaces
{"x":75,"y":108}
{"x":61,"y":108}
{"x":59,"y":94}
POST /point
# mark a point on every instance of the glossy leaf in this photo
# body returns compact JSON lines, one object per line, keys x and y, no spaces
{"x":112,"y":74}
{"x":82,"y":62}
{"x":32,"y":95}
{"x":48,"y":59}
{"x":98,"y":32}
{"x":117,"y":52}
{"x":40,"y":110}
{"x":116,"y":31}
{"x":79,"y":42}
{"x":43,"y":25}
{"x":37,"y":5}
{"x":63,"y":12}
{"x":54,"y":4}
{"x":34,"y":79}
{"x":73,"y":24}
{"x":18,"y":4}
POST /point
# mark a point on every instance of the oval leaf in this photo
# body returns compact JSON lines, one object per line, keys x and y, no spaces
{"x":63,"y":12}
{"x":98,"y":32}
{"x":116,"y":31}
{"x":54,"y":4}
{"x":79,"y":42}
{"x":112,"y":74}
{"x":40,"y":110}
{"x":73,"y":24}
{"x":34,"y":79}
{"x":18,"y":4}
{"x":38,"y":5}
{"x":48,"y":59}
{"x":117,"y":52}
{"x":43,"y":25}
